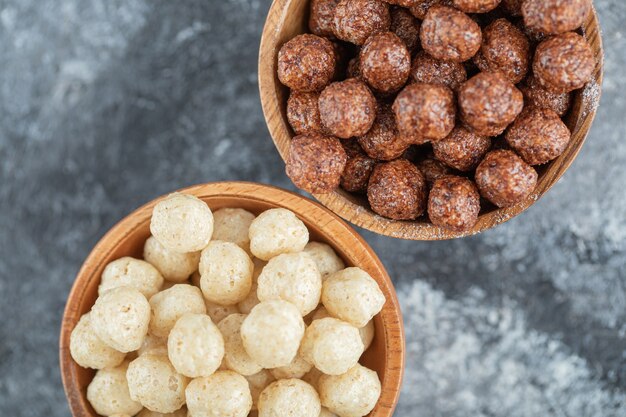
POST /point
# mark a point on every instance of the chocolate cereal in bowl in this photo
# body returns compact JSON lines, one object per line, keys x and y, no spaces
{"x":499,"y":95}
{"x":231,"y":299}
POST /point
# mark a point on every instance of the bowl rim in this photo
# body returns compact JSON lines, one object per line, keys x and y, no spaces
{"x":311,"y":212}
{"x":346,"y":206}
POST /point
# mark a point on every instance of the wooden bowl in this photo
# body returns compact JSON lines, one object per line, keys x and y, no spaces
{"x":385,"y":356}
{"x":288,"y":18}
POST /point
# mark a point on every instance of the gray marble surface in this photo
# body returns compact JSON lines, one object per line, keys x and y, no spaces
{"x":106,"y":104}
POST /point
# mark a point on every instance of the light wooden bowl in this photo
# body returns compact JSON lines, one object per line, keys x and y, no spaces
{"x":288,"y":18}
{"x":385,"y":356}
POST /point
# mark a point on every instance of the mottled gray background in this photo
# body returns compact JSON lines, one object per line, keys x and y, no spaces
{"x":106,"y":104}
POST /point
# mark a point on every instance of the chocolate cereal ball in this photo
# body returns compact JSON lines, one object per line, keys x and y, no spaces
{"x":358,"y":168}
{"x":406,"y":26}
{"x":303,"y":112}
{"x":563,"y":63}
{"x":321,"y":14}
{"x":383,"y":141}
{"x":488,"y":103}
{"x":426,"y":69}
{"x":419,"y":8}
{"x":356,"y":20}
{"x":476,"y":6}
{"x":454,"y":203}
{"x":449,"y":34}
{"x":354,"y":69}
{"x":536,"y":95}
{"x":512,"y":7}
{"x":504,"y":178}
{"x":397,"y":190}
{"x":306,"y":63}
{"x":385,"y":62}
{"x":315,"y":162}
{"x":506,"y":49}
{"x":538,"y":135}
{"x":433,"y":169}
{"x":555,"y":16}
{"x":425,"y":111}
{"x":462,"y":149}
{"x":347,"y":108}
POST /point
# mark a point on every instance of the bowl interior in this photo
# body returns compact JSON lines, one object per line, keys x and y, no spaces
{"x":385,"y":356}
{"x":288,"y":18}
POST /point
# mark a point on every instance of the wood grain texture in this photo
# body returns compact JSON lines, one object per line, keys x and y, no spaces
{"x":385,"y":356}
{"x":288,"y":18}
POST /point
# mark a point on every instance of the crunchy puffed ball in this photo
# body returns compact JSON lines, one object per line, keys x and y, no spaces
{"x":352,"y":295}
{"x":226,"y":273}
{"x":433,"y":169}
{"x":272,"y":333}
{"x":555,"y":16}
{"x":175,"y":266}
{"x":425,"y":111}
{"x":316,"y":162}
{"x":385,"y":62}
{"x":312,"y":377}
{"x":170,"y":305}
{"x":236,"y":358}
{"x":120,"y":318}
{"x":303,"y":112}
{"x":108,"y":392}
{"x":353,"y":394}
{"x":247,"y":304}
{"x":195,"y":346}
{"x":291,"y":277}
{"x":306,"y":63}
{"x":131,"y":272}
{"x":462,"y":149}
{"x":325,"y":258}
{"x":289,"y":397}
{"x":383,"y":141}
{"x":88,"y":350}
{"x":321,"y":17}
{"x":429,"y":70}
{"x":257,"y":384}
{"x":449,"y":34}
{"x":504,"y":178}
{"x":166,"y":391}
{"x":359,"y":167}
{"x":505,"y":48}
{"x":224,"y":393}
{"x":488,"y":103}
{"x":178,"y":413}
{"x":182,"y":223}
{"x":356,"y":20}
{"x":454,"y":203}
{"x":296,"y":369}
{"x":564,"y":63}
{"x":406,"y":26}
{"x":367,"y":333}
{"x":233,"y":225}
{"x":218,"y":312}
{"x":347,"y":108}
{"x":419,"y":8}
{"x":476,"y":6}
{"x":153,"y":345}
{"x":538,"y":136}
{"x":537,"y":95}
{"x":332,"y":345}
{"x":397,"y":190}
{"x":277,"y":231}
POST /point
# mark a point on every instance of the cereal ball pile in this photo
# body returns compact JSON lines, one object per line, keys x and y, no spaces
{"x":220,"y":330}
{"x":426,"y":89}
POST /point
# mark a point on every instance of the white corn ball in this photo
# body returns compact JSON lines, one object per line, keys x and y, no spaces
{"x":332,"y":346}
{"x":324,"y":413}
{"x":89,"y":351}
{"x":182,"y":223}
{"x":257,"y":383}
{"x":312,"y":377}
{"x":327,"y":261}
{"x":277,"y":231}
{"x":170,"y":305}
{"x":120,"y":318}
{"x":131,"y":272}
{"x":272,"y":333}
{"x":367,"y":333}
{"x":352,"y":295}
{"x":235,"y":357}
{"x":296,"y":369}
{"x":226,"y":273}
{"x":154,"y":382}
{"x":169,"y":284}
{"x":174,"y":266}
{"x":218,"y":312}
{"x":182,"y":412}
{"x":108,"y":392}
{"x":223,"y":394}
{"x":289,"y":397}
{"x":291,"y":277}
{"x":195,"y":346}
{"x":154,"y":345}
{"x":233,"y":225}
{"x":353,"y":394}
{"x":247,"y":304}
